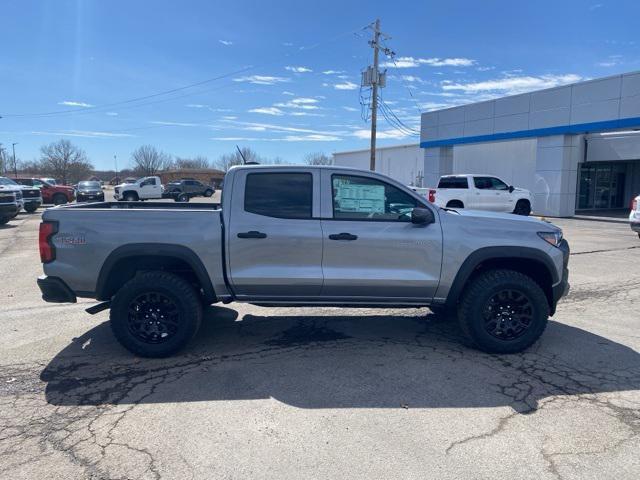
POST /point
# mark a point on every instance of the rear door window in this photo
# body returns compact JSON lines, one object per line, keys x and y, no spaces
{"x":453,"y":182}
{"x":279,"y":195}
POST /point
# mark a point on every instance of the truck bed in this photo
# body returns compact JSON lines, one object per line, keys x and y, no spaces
{"x":145,"y":205}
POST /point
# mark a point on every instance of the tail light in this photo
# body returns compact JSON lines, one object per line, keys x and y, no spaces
{"x":47,"y":249}
{"x":432,"y":195}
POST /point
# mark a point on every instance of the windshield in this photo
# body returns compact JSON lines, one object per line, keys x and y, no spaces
{"x":7,"y":181}
{"x":89,"y":185}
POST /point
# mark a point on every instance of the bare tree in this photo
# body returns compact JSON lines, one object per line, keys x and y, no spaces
{"x":195,"y":162}
{"x":228,"y":160}
{"x":318,"y":158}
{"x":65,"y":161}
{"x":147,"y":160}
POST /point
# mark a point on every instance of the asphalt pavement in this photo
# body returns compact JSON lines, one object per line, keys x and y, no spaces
{"x":325,"y":392}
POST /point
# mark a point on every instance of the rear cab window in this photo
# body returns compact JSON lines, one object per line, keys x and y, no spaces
{"x":279,"y":194}
{"x":453,"y":182}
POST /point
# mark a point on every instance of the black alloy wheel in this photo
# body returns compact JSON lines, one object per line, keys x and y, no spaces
{"x":508,"y":314}
{"x":153,"y":317}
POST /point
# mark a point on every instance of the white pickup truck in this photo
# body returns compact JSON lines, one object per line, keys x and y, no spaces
{"x":145,"y":188}
{"x":480,"y":192}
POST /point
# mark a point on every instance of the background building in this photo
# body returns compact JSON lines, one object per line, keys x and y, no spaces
{"x":405,"y":163}
{"x":576,"y":147}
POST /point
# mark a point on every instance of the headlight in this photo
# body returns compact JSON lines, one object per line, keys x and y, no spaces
{"x":554,"y":238}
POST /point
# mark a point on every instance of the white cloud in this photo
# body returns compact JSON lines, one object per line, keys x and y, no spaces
{"x":288,"y":44}
{"x":84,"y":134}
{"x":612,"y":61}
{"x":513,"y":84}
{"x":345,"y":86}
{"x":411,"y":62}
{"x":178,"y":124}
{"x":262,"y":79}
{"x":412,"y":79}
{"x":70,"y":103}
{"x":261,"y":127}
{"x":267,"y":111}
{"x":112,"y":114}
{"x":310,"y":138}
{"x":305,"y":114}
{"x":226,"y":42}
{"x":196,"y":105}
{"x":288,"y":93}
{"x":298,"y":69}
{"x":350,"y":109}
{"x":332,"y":72}
{"x":595,"y":6}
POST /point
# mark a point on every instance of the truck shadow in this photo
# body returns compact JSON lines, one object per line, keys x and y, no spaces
{"x":404,"y":360}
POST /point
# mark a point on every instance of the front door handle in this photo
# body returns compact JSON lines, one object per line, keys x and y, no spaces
{"x":342,"y":236}
{"x":252,"y":234}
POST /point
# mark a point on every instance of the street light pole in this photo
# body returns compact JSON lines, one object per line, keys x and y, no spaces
{"x":115,"y":159}
{"x":15,"y":165}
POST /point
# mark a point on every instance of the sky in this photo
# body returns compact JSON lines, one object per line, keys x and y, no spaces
{"x":281,"y":77}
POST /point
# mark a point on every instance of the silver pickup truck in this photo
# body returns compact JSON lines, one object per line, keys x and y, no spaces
{"x":301,"y":236}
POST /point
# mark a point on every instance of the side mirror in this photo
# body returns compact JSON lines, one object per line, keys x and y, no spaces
{"x":422,"y":216}
{"x":511,"y":189}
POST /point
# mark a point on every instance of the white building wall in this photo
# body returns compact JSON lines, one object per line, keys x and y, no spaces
{"x":512,"y":161}
{"x":404,"y":163}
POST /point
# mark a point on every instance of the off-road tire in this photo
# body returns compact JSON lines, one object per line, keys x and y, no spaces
{"x":475,"y":298}
{"x":185,"y":299}
{"x":60,"y":199}
{"x":523,"y":207}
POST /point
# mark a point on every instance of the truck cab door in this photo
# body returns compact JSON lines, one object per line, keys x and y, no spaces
{"x":372,"y":252}
{"x":274,"y":236}
{"x":149,"y":188}
{"x":483,"y":194}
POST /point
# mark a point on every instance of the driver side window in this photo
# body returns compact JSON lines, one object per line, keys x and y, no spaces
{"x":148,"y":181}
{"x":363,"y":198}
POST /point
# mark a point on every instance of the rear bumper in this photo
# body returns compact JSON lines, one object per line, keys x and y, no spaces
{"x":55,"y":290}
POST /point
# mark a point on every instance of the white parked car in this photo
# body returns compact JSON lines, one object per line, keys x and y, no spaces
{"x":145,"y":188}
{"x":634,"y":216}
{"x":480,"y":192}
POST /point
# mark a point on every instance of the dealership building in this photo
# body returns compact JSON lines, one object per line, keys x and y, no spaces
{"x":575,"y":147}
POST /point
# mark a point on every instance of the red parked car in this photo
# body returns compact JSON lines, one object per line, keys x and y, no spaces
{"x":56,"y":194}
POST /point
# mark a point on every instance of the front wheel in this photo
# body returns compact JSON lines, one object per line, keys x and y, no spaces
{"x":523,"y":207}
{"x":208,"y":192}
{"x":131,"y":197}
{"x":155,"y":314}
{"x":4,"y":220}
{"x":503,"y":311}
{"x":59,"y":199}
{"x":30,"y":208}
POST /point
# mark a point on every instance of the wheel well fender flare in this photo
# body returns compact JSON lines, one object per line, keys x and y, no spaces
{"x":500,"y":256}
{"x":160,"y":250}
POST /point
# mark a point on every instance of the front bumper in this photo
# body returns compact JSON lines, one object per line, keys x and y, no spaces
{"x":90,"y":197}
{"x":561,"y":288}
{"x":9,"y":209}
{"x":55,"y":290}
{"x":33,"y":201}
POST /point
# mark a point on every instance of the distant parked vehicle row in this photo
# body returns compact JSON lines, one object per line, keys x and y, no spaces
{"x":480,"y":192}
{"x":31,"y":197}
{"x":89,"y":191}
{"x":55,"y":194}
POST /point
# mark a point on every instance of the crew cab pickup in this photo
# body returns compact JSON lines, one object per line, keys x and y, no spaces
{"x":480,"y":192}
{"x":145,"y":188}
{"x":301,"y":236}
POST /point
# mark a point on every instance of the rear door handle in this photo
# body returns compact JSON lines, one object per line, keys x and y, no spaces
{"x":342,"y":236}
{"x":252,"y":234}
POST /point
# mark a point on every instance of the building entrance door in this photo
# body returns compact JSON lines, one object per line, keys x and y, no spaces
{"x":601,"y":185}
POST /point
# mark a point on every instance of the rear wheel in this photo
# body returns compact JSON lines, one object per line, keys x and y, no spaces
{"x":503,"y":311}
{"x":183,"y":197}
{"x":523,"y":207}
{"x":455,"y":204}
{"x":60,"y":199}
{"x":155,"y":314}
{"x":208,"y":192}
